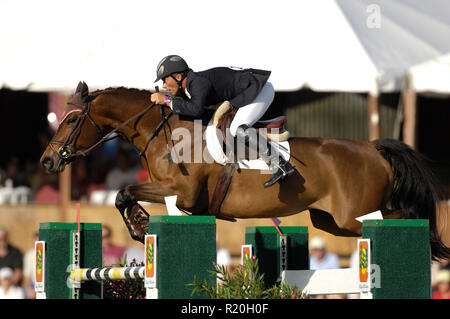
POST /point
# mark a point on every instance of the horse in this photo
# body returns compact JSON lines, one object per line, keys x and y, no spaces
{"x":337,"y":180}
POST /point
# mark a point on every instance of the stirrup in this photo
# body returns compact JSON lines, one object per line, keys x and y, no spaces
{"x":283,"y":170}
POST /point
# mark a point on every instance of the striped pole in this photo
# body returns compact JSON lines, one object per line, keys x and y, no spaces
{"x":112,"y":273}
{"x":147,"y":272}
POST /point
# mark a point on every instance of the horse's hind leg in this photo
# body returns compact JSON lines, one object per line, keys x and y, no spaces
{"x":324,"y":221}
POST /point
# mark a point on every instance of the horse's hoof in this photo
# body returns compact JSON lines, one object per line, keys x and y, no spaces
{"x":123,"y":199}
{"x":136,"y":219}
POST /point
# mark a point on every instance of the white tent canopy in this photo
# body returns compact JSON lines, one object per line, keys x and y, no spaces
{"x":327,"y":45}
{"x":430,"y":77}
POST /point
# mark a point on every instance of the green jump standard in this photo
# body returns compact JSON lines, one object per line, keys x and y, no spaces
{"x":186,"y":248}
{"x":265,"y":241}
{"x":401,"y":253}
{"x":58,"y":240}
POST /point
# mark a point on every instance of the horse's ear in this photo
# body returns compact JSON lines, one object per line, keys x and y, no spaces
{"x":84,"y":90}
{"x":81,"y":94}
{"x":79,"y":86}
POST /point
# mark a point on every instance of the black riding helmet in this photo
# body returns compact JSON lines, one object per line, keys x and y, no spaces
{"x":169,"y":65}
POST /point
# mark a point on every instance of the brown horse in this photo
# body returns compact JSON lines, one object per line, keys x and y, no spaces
{"x":337,"y":180}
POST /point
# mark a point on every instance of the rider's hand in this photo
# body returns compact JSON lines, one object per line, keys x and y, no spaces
{"x":158,"y":98}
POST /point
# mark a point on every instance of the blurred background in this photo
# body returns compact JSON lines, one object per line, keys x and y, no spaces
{"x":362,"y":69}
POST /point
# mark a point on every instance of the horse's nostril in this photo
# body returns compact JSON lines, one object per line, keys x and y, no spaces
{"x":47,"y":162}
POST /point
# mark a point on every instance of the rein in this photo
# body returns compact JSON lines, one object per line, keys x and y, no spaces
{"x":64,"y":152}
{"x":164,"y":120}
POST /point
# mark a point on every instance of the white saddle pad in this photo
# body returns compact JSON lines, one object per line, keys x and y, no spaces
{"x":213,"y":143}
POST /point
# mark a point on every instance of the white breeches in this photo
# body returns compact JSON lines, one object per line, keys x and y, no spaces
{"x":251,"y":113}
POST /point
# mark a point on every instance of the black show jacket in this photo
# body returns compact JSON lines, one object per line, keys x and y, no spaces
{"x":212,"y":86}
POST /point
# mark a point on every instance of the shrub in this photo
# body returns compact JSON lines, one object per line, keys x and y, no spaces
{"x":124,"y":289}
{"x":244,"y":283}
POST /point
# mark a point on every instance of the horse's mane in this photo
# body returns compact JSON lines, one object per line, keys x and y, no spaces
{"x":96,"y":93}
{"x":82,"y":96}
{"x":92,"y":95}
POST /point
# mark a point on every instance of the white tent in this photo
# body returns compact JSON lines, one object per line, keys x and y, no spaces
{"x":326,"y":45}
{"x":431,"y":77}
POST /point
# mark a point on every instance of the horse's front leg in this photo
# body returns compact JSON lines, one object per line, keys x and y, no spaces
{"x":134,"y":215}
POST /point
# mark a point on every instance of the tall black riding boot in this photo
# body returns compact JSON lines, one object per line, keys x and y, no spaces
{"x":280,"y":167}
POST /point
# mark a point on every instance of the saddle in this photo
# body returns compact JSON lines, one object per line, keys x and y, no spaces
{"x":274,"y":128}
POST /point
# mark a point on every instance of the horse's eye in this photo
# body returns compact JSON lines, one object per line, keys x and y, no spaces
{"x":71,"y":120}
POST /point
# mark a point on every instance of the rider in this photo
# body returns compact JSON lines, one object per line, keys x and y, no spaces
{"x":246,"y":89}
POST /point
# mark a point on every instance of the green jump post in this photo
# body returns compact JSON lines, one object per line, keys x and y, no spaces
{"x":401,"y":254}
{"x":265,"y":241}
{"x":186,"y":248}
{"x":58,"y":239}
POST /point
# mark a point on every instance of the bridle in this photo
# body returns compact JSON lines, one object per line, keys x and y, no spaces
{"x":64,"y":152}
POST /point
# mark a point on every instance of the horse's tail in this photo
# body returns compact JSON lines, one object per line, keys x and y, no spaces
{"x":414,"y":190}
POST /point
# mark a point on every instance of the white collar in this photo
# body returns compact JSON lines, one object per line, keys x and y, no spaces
{"x":187,"y":93}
